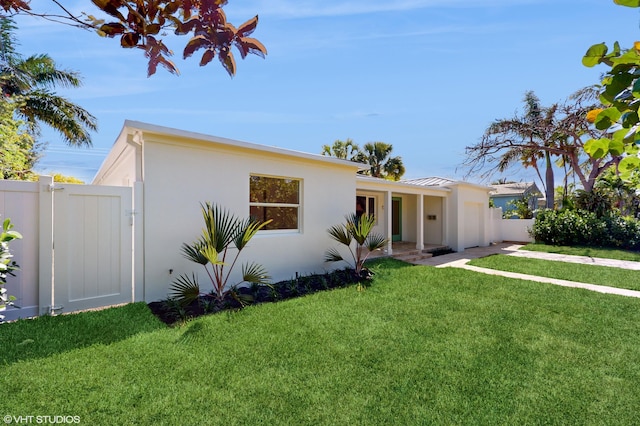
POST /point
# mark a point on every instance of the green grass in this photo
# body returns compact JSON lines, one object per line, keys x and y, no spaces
{"x":420,"y":346}
{"x":584,"y":273}
{"x":46,"y":336}
{"x":585,"y":251}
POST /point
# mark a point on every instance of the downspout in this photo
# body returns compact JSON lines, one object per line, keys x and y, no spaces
{"x":139,"y":273}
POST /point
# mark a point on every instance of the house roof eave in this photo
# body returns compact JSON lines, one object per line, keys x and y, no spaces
{"x":147,"y":128}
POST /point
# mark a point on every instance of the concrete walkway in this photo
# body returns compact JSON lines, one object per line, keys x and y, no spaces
{"x":459,"y":260}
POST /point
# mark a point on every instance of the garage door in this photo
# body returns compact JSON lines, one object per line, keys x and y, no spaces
{"x":472,"y":225}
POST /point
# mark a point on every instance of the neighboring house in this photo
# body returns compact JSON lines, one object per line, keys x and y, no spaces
{"x":173,"y":171}
{"x":503,"y":194}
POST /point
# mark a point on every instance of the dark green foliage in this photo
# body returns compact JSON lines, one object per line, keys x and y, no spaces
{"x":583,"y":228}
{"x":7,"y":264}
{"x":596,"y":201}
{"x":521,"y":207}
{"x":178,"y":309}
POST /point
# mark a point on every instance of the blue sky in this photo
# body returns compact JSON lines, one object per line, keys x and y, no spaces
{"x":427,"y":76}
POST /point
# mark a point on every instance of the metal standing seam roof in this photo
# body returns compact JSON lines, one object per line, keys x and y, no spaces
{"x":429,"y":181}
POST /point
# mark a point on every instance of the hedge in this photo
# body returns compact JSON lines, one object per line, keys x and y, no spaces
{"x":583,"y":228}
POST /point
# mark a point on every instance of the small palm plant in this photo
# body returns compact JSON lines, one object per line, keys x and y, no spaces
{"x":358,"y":229}
{"x":223,"y":232}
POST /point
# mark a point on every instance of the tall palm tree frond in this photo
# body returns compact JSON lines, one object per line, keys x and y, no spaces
{"x":44,"y":74}
{"x":71,"y":121}
{"x":394,"y":168}
{"x":7,"y":39}
{"x":32,"y":81}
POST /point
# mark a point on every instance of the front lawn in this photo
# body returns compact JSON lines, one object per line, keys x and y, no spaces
{"x":420,"y":346}
{"x":584,"y":273}
{"x":585,"y":251}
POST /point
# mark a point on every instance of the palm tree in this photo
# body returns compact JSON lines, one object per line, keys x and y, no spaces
{"x":345,"y":150}
{"x":561,"y":130}
{"x":358,"y":229}
{"x":29,"y":83}
{"x":394,"y":169}
{"x":217,"y":250}
{"x":381,"y":165}
{"x":535,"y":134}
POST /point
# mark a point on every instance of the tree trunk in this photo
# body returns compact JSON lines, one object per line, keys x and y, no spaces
{"x":549,"y":181}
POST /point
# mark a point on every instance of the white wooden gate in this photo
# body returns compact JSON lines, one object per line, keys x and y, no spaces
{"x":92,"y":246}
{"x":77,"y":250}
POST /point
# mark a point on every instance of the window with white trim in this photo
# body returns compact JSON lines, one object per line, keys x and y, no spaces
{"x":365,"y":205}
{"x":275,"y":199}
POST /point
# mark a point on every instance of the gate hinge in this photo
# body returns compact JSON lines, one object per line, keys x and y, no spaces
{"x":55,"y":309}
{"x":131,"y":214}
{"x":52,"y":187}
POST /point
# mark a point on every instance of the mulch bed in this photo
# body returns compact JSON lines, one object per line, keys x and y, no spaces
{"x":170,"y":312}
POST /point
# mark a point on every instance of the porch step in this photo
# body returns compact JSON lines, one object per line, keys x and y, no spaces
{"x":415,"y":255}
{"x":439,"y":251}
{"x":412,"y":256}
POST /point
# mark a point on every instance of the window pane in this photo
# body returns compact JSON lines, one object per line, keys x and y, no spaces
{"x":361,"y":205}
{"x":274,"y":190}
{"x":283,"y":217}
{"x":372,"y":206}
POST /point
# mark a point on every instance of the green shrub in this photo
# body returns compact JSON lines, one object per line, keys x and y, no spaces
{"x":7,"y":265}
{"x":583,"y":228}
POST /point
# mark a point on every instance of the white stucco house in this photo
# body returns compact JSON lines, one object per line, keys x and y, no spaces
{"x":174,"y":171}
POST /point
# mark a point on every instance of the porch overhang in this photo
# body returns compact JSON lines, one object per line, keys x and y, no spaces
{"x":366,"y":183}
{"x":389,"y":193}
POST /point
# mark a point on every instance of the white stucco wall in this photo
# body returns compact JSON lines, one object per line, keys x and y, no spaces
{"x":515,"y":230}
{"x":468,"y":209}
{"x":409,"y":225}
{"x":179,"y":176}
{"x":433,"y":228}
{"x":123,"y":164}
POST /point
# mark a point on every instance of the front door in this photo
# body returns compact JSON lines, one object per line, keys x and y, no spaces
{"x":396,"y":219}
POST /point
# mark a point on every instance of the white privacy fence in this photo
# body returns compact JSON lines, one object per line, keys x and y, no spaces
{"x":77,"y":247}
{"x":516,"y":230}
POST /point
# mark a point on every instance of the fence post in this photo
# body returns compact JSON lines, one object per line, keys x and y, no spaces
{"x":138,"y":242}
{"x":45,"y":281}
